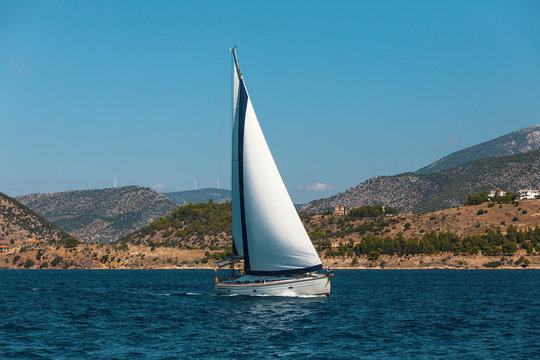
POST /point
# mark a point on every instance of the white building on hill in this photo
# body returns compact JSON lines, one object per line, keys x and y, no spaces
{"x":528,"y":194}
{"x":496,"y":192}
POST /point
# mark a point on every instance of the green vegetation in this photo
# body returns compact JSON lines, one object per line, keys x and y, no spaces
{"x":483,"y":197}
{"x":188,"y":226}
{"x":492,"y":264}
{"x":56,"y":261}
{"x":29,"y":263}
{"x":493,"y":242}
{"x":221,"y":255}
{"x":71,"y":242}
{"x":477,"y":199}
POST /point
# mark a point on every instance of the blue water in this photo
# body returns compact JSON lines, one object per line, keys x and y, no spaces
{"x":162,"y":314}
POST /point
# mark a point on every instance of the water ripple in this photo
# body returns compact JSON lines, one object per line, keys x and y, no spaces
{"x":161,"y":314}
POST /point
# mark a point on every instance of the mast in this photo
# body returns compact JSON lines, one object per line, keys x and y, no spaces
{"x":238,"y":171}
{"x":235,"y":59}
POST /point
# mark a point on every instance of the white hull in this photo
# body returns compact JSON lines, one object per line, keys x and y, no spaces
{"x":309,"y":285}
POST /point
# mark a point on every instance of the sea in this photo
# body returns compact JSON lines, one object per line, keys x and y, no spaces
{"x":176,"y":314}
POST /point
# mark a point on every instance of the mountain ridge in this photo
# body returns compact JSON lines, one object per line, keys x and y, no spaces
{"x":100,"y":215}
{"x":439,"y":190}
{"x":519,"y":141}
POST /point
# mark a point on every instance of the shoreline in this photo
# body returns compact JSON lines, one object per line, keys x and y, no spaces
{"x":138,"y":257}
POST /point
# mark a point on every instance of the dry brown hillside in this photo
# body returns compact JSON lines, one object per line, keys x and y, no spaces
{"x":465,"y":220}
{"x":19,"y":224}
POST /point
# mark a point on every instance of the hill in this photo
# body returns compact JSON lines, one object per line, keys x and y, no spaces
{"x":439,"y":190}
{"x":207,"y":226}
{"x":195,"y":235}
{"x":520,"y":141}
{"x":103,"y":215}
{"x":19,"y":224}
{"x":199,"y":196}
{"x":192,"y":226}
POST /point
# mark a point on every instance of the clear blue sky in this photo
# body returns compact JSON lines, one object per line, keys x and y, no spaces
{"x":344,"y":91}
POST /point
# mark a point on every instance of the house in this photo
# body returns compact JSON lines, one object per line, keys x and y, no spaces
{"x":528,"y":194}
{"x":340,"y":211}
{"x":4,"y":248}
{"x":496,"y":192}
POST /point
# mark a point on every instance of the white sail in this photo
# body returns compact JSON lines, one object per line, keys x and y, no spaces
{"x":267,"y":230}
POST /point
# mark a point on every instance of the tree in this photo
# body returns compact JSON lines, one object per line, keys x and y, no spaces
{"x":477,"y":199}
{"x":71,"y":242}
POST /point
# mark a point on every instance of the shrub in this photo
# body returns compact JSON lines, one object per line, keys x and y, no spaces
{"x":29,"y":263}
{"x":477,"y":199}
{"x":374,"y":255}
{"x":44,"y":265}
{"x":480,"y":212}
{"x":491,"y":205}
{"x":515,"y":218}
{"x":71,"y":242}
{"x":407,"y":226}
{"x":56,"y":261}
{"x":524,"y":212}
{"x":492,"y":264}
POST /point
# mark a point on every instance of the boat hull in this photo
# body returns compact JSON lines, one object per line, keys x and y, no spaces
{"x":303,"y":286}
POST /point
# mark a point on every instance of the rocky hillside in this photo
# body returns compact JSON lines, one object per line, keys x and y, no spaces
{"x":199,"y":196}
{"x":442,"y":189}
{"x":196,"y":235}
{"x":192,"y":226}
{"x":207,"y":226}
{"x":520,"y":141}
{"x":19,"y":224}
{"x":100,"y":215}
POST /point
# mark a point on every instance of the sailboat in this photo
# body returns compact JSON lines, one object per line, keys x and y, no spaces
{"x":278,"y":256}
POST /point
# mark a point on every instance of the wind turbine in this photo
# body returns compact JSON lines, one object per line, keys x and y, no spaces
{"x":115,"y":180}
{"x":195,"y":181}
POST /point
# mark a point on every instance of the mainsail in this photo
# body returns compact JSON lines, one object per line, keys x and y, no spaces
{"x":267,"y":230}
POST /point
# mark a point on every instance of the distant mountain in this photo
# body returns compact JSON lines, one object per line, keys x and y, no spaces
{"x":442,"y":189}
{"x":520,"y":141}
{"x":100,"y":215}
{"x":18,"y":224}
{"x":199,"y":196}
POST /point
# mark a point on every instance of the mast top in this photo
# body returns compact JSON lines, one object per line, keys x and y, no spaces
{"x":233,"y":51}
